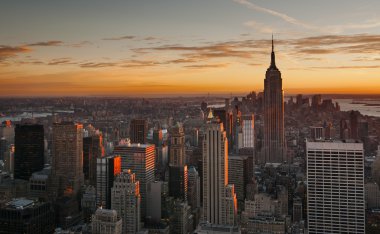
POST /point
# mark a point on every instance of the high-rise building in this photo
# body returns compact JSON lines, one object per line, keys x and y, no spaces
{"x":335,"y":191}
{"x":193,"y":188}
{"x":92,"y":149}
{"x":107,"y":169}
{"x":238,"y":175}
{"x":274,"y":135}
{"x":177,"y":146}
{"x":88,"y":203}
{"x":138,"y":131}
{"x":126,"y":200}
{"x":106,"y":222}
{"x":67,"y":150}
{"x":354,"y":124}
{"x":155,"y":194}
{"x":7,"y":130}
{"x":140,"y":158}
{"x":177,"y":164}
{"x":317,"y":133}
{"x":26,"y":216}
{"x":29,"y":150}
{"x":248,"y":128}
{"x":179,"y":221}
{"x":157,"y":137}
{"x":219,"y":199}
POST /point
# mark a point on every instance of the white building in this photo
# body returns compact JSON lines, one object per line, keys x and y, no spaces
{"x":248,"y":127}
{"x":219,"y":198}
{"x":335,"y":191}
{"x":125,"y":199}
{"x":106,"y":222}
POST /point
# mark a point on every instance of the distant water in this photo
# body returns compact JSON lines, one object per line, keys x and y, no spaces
{"x":29,"y":115}
{"x":370,"y":107}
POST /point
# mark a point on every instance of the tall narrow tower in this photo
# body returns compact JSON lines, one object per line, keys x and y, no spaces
{"x":67,"y":150}
{"x":274,"y":150}
{"x":219,"y":198}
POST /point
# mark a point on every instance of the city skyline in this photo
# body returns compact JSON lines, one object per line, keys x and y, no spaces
{"x":140,"y":48}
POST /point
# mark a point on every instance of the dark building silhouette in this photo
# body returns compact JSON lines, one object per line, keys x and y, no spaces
{"x":107,"y":170}
{"x":354,"y":124}
{"x":345,"y":131}
{"x":29,"y":150}
{"x":177,"y":164}
{"x":92,"y":149}
{"x":274,"y":135}
{"x":138,"y":131}
{"x":26,"y":216}
{"x":178,"y":182}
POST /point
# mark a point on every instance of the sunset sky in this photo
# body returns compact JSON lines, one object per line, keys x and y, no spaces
{"x":182,"y":47}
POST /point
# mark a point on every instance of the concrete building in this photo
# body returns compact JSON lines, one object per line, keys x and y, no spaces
{"x":67,"y":151}
{"x":335,"y":191}
{"x":266,"y":224}
{"x":39,"y":184}
{"x":177,"y":164}
{"x":126,"y":200}
{"x":238,"y":175}
{"x":372,"y":195}
{"x":106,"y":222}
{"x":138,"y":131}
{"x":26,"y":216}
{"x":208,"y":228}
{"x":181,"y":220}
{"x":194,"y":190}
{"x":88,"y":203}
{"x":140,"y":159}
{"x":248,"y":129}
{"x":219,"y":199}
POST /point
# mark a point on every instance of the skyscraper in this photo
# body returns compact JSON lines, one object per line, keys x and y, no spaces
{"x":138,"y":131}
{"x":248,"y":128}
{"x":67,"y":150}
{"x":92,"y":149}
{"x":29,"y":150}
{"x":177,"y":164}
{"x":335,"y":191}
{"x":126,"y":200}
{"x":274,"y":136}
{"x":140,"y":158}
{"x":106,"y":222}
{"x":107,"y":169}
{"x":217,"y":194}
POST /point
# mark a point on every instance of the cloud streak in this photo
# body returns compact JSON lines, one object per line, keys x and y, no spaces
{"x":46,"y":43}
{"x":12,"y":51}
{"x":280,"y":15}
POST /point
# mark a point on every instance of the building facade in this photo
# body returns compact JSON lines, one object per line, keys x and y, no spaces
{"x":217,"y":194}
{"x":335,"y":191}
{"x":29,"y":150}
{"x":274,"y":148}
{"x":139,"y":158}
{"x":126,"y":200}
{"x":106,"y":222}
{"x":67,"y":151}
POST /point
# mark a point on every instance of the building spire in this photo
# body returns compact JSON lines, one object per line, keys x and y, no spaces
{"x":273,"y":58}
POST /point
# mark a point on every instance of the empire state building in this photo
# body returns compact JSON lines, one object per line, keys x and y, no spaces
{"x":274,"y":148}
